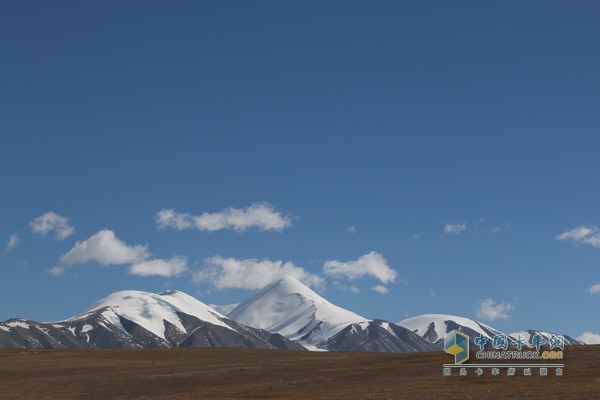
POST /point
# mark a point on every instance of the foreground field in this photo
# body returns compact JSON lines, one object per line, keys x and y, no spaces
{"x":235,"y":374}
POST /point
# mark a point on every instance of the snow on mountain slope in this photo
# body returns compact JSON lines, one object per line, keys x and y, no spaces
{"x":133,"y":319}
{"x":150,"y":310}
{"x":224,"y":309}
{"x":292,"y":309}
{"x":434,"y":327}
{"x":377,"y":335}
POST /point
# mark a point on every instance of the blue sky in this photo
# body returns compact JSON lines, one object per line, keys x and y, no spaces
{"x":449,"y":144}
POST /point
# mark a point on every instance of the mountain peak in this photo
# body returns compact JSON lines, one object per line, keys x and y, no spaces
{"x":292,"y":309}
{"x":290,"y":285}
{"x":149,"y":310}
{"x":169,"y":292}
{"x":434,"y":327}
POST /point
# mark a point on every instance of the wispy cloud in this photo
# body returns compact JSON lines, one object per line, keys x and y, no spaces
{"x":431,"y":292}
{"x":348,"y":288}
{"x":380,"y":289}
{"x":582,"y":235}
{"x":489,"y":310}
{"x":589,"y":338}
{"x":13,"y":241}
{"x":260,"y":216}
{"x":594,"y":289}
{"x":172,"y":267}
{"x":500,"y":228}
{"x":223,"y":273}
{"x":373,"y":264}
{"x":455,"y":229}
{"x":52,"y":223}
{"x":352,"y":230}
{"x":104,"y":248}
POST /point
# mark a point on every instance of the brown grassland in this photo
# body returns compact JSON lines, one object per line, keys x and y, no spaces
{"x":268,"y":374}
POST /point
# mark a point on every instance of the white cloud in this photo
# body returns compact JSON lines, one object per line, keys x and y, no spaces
{"x":503,"y":227}
{"x":582,"y":235}
{"x":373,"y":264}
{"x":261,"y":216}
{"x":432,"y":292}
{"x":103,"y":248}
{"x":13,"y":241}
{"x":52,"y":223}
{"x":352,"y":230}
{"x":487,"y":309}
{"x":250,"y":273}
{"x":380,"y":289}
{"x":455,"y":229}
{"x":168,"y":218}
{"x":348,"y":288}
{"x":173,"y":267}
{"x":594,"y":289}
{"x":589,"y":338}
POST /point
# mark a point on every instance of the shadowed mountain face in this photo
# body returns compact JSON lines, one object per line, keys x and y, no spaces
{"x":377,"y":335}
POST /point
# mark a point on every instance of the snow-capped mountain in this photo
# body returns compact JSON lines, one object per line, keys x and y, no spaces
{"x":31,"y":334}
{"x":377,"y":335}
{"x":284,"y":315}
{"x":292,"y":309}
{"x":433,"y":327}
{"x":224,"y":309}
{"x":527,"y":335}
{"x":156,"y":312}
{"x":134,"y":319}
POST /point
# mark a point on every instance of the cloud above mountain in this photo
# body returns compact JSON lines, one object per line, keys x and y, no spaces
{"x":582,"y":235}
{"x":259,"y":216}
{"x":224,"y":273}
{"x":594,"y":289}
{"x":455,"y":229}
{"x":489,"y":310}
{"x":104,"y":248}
{"x":380,"y":289}
{"x":13,"y":241}
{"x":589,"y":338}
{"x":172,"y":267}
{"x":53,"y":224}
{"x":371,"y":264}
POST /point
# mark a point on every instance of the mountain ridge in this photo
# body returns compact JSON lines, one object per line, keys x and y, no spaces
{"x":285,"y":314}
